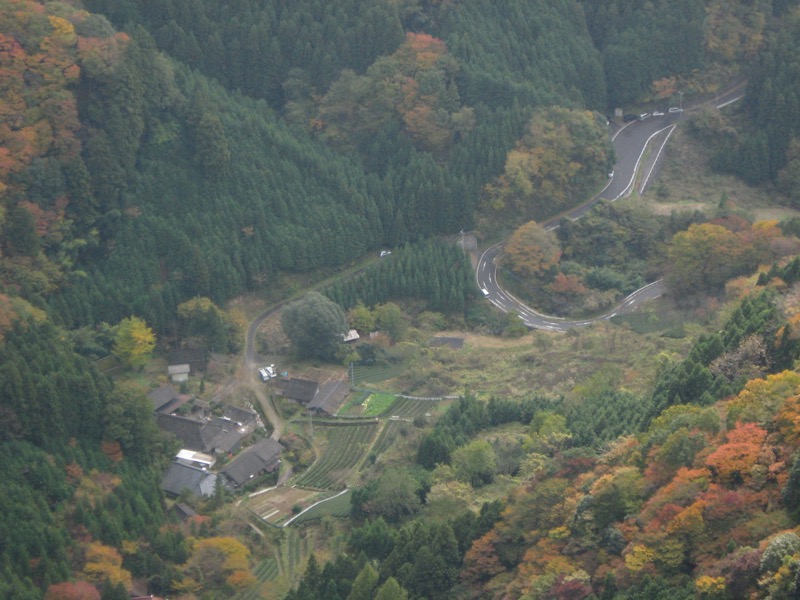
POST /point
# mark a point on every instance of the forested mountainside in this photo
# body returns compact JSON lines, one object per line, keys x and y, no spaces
{"x":152,"y":153}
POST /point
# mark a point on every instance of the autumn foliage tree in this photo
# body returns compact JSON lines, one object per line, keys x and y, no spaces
{"x":532,"y":252}
{"x":134,"y":342}
{"x":562,"y":154}
{"x":79,"y":590}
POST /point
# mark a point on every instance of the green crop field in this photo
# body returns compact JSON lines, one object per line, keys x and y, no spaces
{"x":408,"y":408}
{"x":390,"y":431}
{"x":266,"y":570}
{"x":376,"y":374}
{"x":346,"y":446}
{"x":376,"y":404}
{"x":336,"y":507}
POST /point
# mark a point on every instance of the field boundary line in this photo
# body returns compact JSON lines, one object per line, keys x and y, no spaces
{"x":289,"y":522}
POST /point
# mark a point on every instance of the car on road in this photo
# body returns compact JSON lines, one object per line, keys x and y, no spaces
{"x":611,"y":173}
{"x":385,"y":253}
{"x":485,"y":291}
{"x":658,"y":113}
{"x":644,"y":116}
{"x":675,"y":109}
{"x":630,"y":118}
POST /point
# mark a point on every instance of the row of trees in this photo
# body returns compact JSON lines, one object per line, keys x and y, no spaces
{"x":437,"y":272}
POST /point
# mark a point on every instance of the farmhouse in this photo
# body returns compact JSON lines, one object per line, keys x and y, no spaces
{"x":164,"y":398}
{"x":212,"y":435}
{"x":330,"y":398}
{"x":194,"y":357}
{"x":302,"y":390}
{"x":261,"y":457}
{"x":180,"y":477}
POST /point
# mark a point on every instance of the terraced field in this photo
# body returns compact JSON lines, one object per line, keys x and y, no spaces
{"x":389,"y":433}
{"x":408,"y":408}
{"x":376,"y":374}
{"x":347,"y":444}
{"x":266,"y":571}
{"x":336,"y":507}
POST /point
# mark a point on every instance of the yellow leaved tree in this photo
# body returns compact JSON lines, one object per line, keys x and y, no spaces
{"x":134,"y":342}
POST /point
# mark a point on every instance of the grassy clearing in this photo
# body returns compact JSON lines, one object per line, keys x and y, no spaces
{"x":686,"y":182}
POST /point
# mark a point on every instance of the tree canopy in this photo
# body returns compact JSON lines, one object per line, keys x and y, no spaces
{"x":314,"y":326}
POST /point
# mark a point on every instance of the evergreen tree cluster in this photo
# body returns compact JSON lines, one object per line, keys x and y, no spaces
{"x":423,"y":558}
{"x":49,"y":394}
{"x":434,"y":271}
{"x":766,"y":148}
{"x":641,"y":42}
{"x":255,"y":46}
{"x":692,"y":381}
{"x":464,"y":419}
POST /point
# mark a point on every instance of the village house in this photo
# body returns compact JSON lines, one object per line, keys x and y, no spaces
{"x":181,"y":477}
{"x":261,"y":457}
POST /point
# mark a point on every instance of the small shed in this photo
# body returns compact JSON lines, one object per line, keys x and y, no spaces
{"x":178,"y":373}
{"x":350,"y":336}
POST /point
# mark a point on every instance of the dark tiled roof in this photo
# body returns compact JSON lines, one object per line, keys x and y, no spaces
{"x":194,"y":357}
{"x":262,"y":456}
{"x":239,"y":414}
{"x":181,"y":477}
{"x":189,"y":431}
{"x":162,"y":396}
{"x":301,"y":390}
{"x":330,"y":397}
{"x":183,"y":510}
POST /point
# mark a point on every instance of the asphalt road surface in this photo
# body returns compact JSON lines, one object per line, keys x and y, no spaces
{"x":630,"y":142}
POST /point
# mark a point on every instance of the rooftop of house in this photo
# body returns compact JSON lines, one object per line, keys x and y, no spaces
{"x":330,"y":397}
{"x":302,"y":390}
{"x":162,"y":396}
{"x":180,"y":477}
{"x":262,"y":456}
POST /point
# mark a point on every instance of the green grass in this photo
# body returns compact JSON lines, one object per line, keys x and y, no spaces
{"x":377,"y":403}
{"x":353,"y":405}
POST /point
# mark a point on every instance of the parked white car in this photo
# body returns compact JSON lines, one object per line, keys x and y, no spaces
{"x":267,"y":373}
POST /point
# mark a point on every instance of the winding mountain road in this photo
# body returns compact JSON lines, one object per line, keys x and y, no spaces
{"x":630,"y":142}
